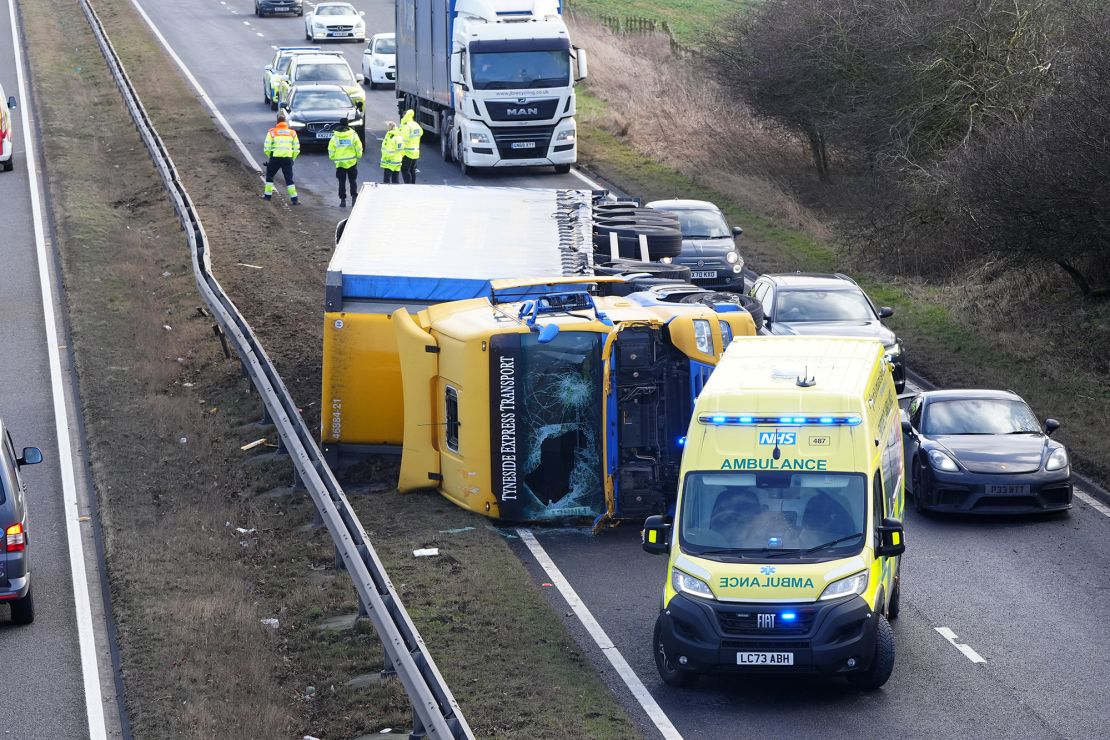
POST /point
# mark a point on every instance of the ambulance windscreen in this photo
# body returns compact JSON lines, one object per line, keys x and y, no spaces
{"x":782,"y":511}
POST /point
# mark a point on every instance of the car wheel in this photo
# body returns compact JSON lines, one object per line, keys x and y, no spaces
{"x":9,"y":165}
{"x":23,"y":611}
{"x":882,"y":665}
{"x":267,"y":98}
{"x":671,"y":675}
{"x":562,"y":169}
{"x":373,"y":85}
{"x":918,"y":489}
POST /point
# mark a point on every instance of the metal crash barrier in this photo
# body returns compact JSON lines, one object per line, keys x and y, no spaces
{"x":436,"y":714}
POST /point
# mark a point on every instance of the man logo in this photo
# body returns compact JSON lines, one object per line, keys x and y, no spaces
{"x":781,"y":438}
{"x":765,"y":621}
{"x":522,"y":111}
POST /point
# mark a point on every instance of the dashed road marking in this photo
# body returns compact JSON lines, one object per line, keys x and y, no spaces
{"x":258,"y":34}
{"x":246,"y":23}
{"x":608,"y":649}
{"x":1093,"y":502}
{"x":967,"y":650}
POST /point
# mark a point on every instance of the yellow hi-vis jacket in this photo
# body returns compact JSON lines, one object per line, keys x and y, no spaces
{"x":393,"y":149}
{"x":282,"y":141}
{"x":345,"y":148}
{"x":411,"y":131}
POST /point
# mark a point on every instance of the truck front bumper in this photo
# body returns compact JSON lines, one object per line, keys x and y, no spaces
{"x":836,"y":637}
{"x":519,"y":146}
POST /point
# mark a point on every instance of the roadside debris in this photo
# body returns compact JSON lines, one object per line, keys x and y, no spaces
{"x":426,"y":552}
{"x":458,"y":530}
{"x":269,"y":621}
{"x":252,"y":445}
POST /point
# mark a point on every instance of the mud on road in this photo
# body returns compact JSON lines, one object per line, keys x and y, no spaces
{"x":204,"y":540}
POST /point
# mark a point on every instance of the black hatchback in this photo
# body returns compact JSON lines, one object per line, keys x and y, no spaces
{"x":15,"y":570}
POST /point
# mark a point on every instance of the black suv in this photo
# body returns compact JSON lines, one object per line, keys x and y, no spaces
{"x":15,"y":572}
{"x":827,"y":305}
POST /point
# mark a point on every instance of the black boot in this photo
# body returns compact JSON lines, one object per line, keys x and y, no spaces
{"x":342,"y":202}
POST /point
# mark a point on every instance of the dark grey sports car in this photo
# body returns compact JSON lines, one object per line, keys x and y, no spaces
{"x":983,"y":452}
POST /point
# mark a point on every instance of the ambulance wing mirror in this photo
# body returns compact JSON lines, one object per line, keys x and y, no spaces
{"x":11,"y":102}
{"x":892,"y":538}
{"x":656,"y":535}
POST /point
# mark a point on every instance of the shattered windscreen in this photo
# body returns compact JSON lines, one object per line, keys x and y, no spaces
{"x":546,"y":426}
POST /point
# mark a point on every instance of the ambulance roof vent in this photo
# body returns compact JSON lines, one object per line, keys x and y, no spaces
{"x":802,"y":382}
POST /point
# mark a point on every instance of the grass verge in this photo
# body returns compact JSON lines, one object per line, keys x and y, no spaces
{"x":688,"y":19}
{"x":203,"y":541}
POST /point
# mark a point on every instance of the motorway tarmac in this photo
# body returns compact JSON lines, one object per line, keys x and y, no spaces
{"x":1028,"y":595}
{"x":43,"y":694}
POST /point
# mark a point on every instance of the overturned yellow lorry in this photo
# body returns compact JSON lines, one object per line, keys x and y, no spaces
{"x":474,"y":334}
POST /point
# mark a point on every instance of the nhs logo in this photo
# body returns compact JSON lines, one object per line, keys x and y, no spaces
{"x":779,"y":438}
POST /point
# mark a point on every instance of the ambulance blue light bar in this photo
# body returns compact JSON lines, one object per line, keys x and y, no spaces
{"x":784,"y":420}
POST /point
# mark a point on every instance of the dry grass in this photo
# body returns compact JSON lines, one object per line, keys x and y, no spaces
{"x":671,"y":111}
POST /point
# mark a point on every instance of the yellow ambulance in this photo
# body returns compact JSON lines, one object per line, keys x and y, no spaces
{"x":785,"y":541}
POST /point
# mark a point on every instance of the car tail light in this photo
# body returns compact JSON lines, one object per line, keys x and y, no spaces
{"x":16,"y":538}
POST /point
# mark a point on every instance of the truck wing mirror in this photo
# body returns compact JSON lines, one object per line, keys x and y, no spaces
{"x":456,"y":68}
{"x":892,"y":538}
{"x":581,"y":68}
{"x":656,"y":535}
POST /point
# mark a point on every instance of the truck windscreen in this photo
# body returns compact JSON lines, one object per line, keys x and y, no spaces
{"x":515,"y":70}
{"x":773,"y":511}
{"x":545,"y":425}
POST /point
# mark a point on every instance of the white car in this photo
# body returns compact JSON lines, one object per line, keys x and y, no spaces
{"x":334,"y":21}
{"x":379,"y":61}
{"x":7,"y":146}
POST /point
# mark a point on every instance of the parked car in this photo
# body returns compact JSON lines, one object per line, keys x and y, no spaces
{"x":276,"y":72}
{"x":338,"y":21}
{"x":822,"y":304}
{"x":379,"y":61}
{"x":15,"y":569}
{"x":329,"y":68}
{"x":7,"y":146}
{"x":984,"y":452}
{"x":263,"y":8}
{"x":708,"y":244}
{"x":315,"y":110}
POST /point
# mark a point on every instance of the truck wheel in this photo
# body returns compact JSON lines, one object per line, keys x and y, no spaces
{"x":651,"y":269}
{"x":671,"y":675}
{"x":882,"y":665}
{"x":444,"y":142}
{"x":23,"y":611}
{"x":562,"y":169}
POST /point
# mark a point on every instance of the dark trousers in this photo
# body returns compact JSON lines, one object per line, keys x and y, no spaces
{"x":389,"y":176}
{"x":347,"y":175}
{"x":285,"y":164}
{"x":408,"y":170}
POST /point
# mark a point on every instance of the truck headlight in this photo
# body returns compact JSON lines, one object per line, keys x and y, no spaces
{"x":850,"y":586}
{"x":478,"y":137}
{"x":684,"y":583}
{"x":732,"y":258}
{"x":1057,"y":460}
{"x":703,"y":336}
{"x":941,"y":461}
{"x":565,"y":136}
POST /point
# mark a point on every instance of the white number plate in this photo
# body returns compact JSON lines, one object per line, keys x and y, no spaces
{"x":339,"y":34}
{"x":765,"y":659}
{"x":1008,"y":490}
{"x":282,"y":10}
{"x":703,"y":274}
{"x":323,"y":134}
{"x":524,"y":145}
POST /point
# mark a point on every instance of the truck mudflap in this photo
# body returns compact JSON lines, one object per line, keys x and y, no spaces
{"x":419,"y":354}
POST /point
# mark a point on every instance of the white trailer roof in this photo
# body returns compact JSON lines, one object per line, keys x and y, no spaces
{"x":445,"y":242}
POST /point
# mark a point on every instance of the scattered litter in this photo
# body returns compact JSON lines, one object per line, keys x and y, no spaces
{"x":240,"y":530}
{"x":252,"y":445}
{"x":310,"y":737}
{"x":387,"y":730}
{"x":84,"y":518}
{"x":426,"y":552}
{"x":187,"y":385}
{"x":548,"y":585}
{"x":503,"y":533}
{"x":167,"y":273}
{"x":214,"y":410}
{"x":167,"y":327}
{"x":310,"y":690}
{"x":253,"y":267}
{"x":459,"y":530}
{"x":270,"y":621}
{"x":183,"y":440}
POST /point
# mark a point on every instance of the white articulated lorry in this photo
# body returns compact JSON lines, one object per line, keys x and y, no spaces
{"x":493,"y":78}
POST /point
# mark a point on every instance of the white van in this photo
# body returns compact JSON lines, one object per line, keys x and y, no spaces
{"x":7,"y":146}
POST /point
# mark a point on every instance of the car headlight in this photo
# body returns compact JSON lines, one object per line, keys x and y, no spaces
{"x":295,"y":124}
{"x":565,"y":136}
{"x":893,"y":351}
{"x":684,"y":583}
{"x":478,"y":137}
{"x":1057,"y":460}
{"x":666,"y":260}
{"x":732,"y":258}
{"x":703,"y":336}
{"x":850,"y":586}
{"x":941,"y":461}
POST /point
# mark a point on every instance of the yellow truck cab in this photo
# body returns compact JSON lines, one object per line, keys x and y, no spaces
{"x":474,"y":336}
{"x":785,"y":541}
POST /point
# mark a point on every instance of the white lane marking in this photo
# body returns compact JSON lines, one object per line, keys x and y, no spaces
{"x":1091,"y":501}
{"x":200,"y":90}
{"x":593,"y":185}
{"x":967,"y":650}
{"x":94,"y":703}
{"x":258,"y":34}
{"x":246,"y":23}
{"x":608,"y":649}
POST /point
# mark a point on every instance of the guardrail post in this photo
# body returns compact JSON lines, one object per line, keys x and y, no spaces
{"x":418,"y":731}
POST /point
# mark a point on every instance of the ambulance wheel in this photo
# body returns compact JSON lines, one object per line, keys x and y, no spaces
{"x":894,"y":606}
{"x":562,"y":169}
{"x":671,"y":675}
{"x":882,"y":665}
